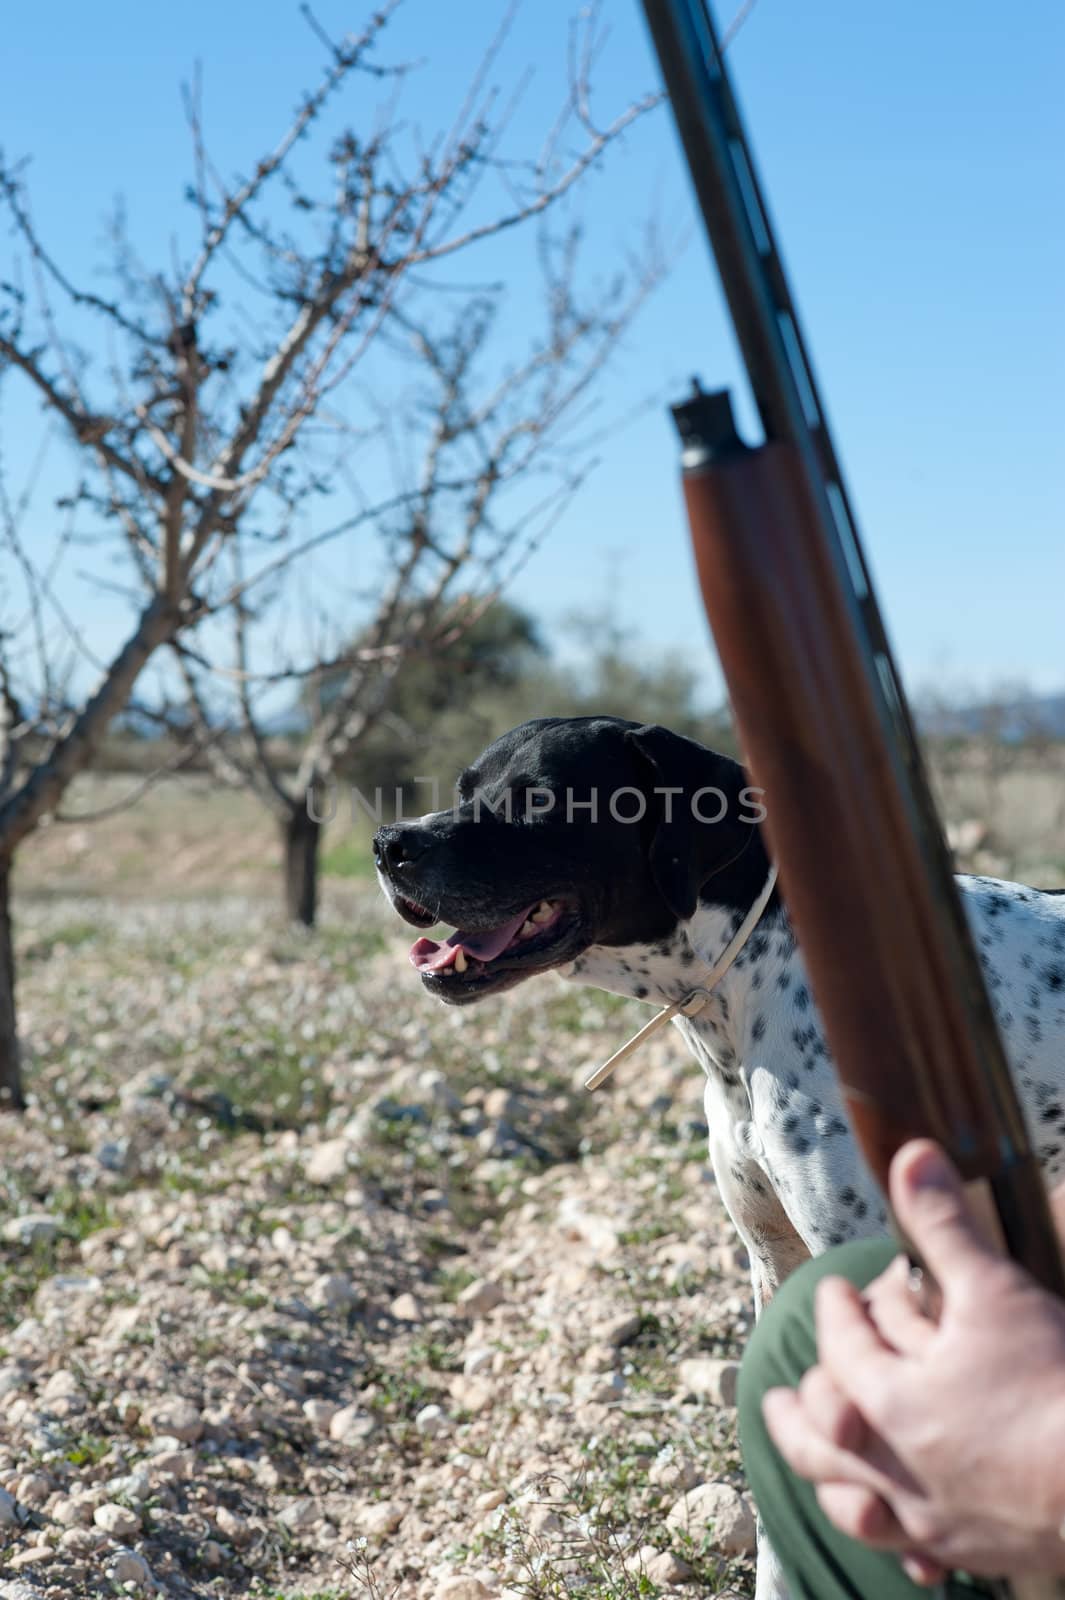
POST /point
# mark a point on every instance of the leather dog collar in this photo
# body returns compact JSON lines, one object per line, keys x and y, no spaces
{"x":692,"y":1003}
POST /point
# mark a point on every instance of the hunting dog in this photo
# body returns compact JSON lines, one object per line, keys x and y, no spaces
{"x":628,"y":857}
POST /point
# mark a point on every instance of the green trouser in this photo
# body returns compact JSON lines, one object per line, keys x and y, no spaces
{"x":820,"y":1562}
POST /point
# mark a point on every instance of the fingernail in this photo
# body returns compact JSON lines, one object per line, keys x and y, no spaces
{"x":931,"y":1170}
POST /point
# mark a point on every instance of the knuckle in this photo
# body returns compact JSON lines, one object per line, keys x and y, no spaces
{"x":922,"y":1528}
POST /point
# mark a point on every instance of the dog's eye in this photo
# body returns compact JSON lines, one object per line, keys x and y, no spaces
{"x":531,"y":802}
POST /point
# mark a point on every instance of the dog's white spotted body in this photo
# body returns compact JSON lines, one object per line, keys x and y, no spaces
{"x":786,"y":1163}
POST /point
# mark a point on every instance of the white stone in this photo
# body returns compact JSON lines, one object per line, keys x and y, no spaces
{"x":431,"y":1420}
{"x":171,"y":1463}
{"x":618,"y":1330}
{"x":126,"y":1566}
{"x":668,"y":1569}
{"x":719,"y":1510}
{"x":382,"y":1518}
{"x":710,"y":1379}
{"x":320,"y":1414}
{"x":598,"y":1388}
{"x":177,"y":1419}
{"x":672,"y":1471}
{"x":70,"y":1513}
{"x":33,"y":1488}
{"x":234,"y":1529}
{"x":299,"y":1514}
{"x":478,"y":1360}
{"x":119,"y":1521}
{"x":131,"y":1485}
{"x":333,"y":1291}
{"x":350,"y":1425}
{"x":405,"y":1308}
{"x":461,"y":1587}
{"x":68,"y":1284}
{"x":35,"y":1227}
{"x":478,"y":1298}
{"x":327,"y":1162}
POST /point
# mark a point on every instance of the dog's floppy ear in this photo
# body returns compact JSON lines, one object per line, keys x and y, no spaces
{"x":678,"y":849}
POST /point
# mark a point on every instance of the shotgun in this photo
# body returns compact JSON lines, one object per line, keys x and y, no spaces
{"x":823,"y":718}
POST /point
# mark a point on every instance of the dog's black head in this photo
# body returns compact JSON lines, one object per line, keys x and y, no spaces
{"x":570,"y":832}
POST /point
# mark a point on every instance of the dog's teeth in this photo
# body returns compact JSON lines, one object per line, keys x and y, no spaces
{"x":443,"y":972}
{"x":527,"y":927}
{"x":460,"y":961}
{"x":542,"y":912}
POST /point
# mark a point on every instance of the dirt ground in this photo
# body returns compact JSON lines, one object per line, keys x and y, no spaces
{"x":310,"y":1287}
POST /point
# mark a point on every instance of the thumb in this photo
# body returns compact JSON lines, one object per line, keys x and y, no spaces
{"x":930,"y":1203}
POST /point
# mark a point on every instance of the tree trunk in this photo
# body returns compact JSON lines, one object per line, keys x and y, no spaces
{"x":11,"y":1098}
{"x":300,"y":834}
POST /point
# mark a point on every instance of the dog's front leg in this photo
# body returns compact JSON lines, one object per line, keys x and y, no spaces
{"x":774,"y":1246}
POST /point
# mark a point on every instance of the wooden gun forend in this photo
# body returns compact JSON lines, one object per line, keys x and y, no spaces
{"x":870,"y":888}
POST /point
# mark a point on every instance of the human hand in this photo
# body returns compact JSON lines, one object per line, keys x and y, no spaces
{"x":943,"y":1441}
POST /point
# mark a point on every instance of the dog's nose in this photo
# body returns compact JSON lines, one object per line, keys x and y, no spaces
{"x":398,"y":844}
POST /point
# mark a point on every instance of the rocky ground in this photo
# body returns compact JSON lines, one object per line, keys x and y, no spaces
{"x":309,"y":1287}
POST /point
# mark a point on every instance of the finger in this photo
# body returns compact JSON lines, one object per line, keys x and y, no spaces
{"x":848,"y":1344}
{"x":930,"y":1204}
{"x":896,"y":1310}
{"x":829,"y":1410}
{"x":862,"y":1514}
{"x":922,"y":1570}
{"x":804,"y":1448}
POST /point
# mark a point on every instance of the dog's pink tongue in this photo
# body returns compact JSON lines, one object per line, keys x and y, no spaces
{"x":428,"y":956}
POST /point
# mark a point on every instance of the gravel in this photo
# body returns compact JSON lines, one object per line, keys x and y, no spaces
{"x":309,"y":1283}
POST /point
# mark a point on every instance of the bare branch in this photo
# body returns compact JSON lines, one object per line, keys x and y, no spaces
{"x":11,"y":194}
{"x":87,"y":429}
{"x":346,"y":58}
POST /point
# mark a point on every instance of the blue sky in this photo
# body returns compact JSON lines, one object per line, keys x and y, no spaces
{"x":912,"y":155}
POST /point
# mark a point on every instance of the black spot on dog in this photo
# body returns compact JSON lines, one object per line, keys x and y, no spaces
{"x":640,"y":991}
{"x":801,"y":998}
{"x":758,"y":1028}
{"x":1054,"y":978}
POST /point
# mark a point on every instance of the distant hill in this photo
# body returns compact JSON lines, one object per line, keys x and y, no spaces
{"x":1010,"y":719}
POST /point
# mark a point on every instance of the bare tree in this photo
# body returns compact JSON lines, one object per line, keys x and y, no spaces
{"x":182,"y":394}
{"x":489,"y":457}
